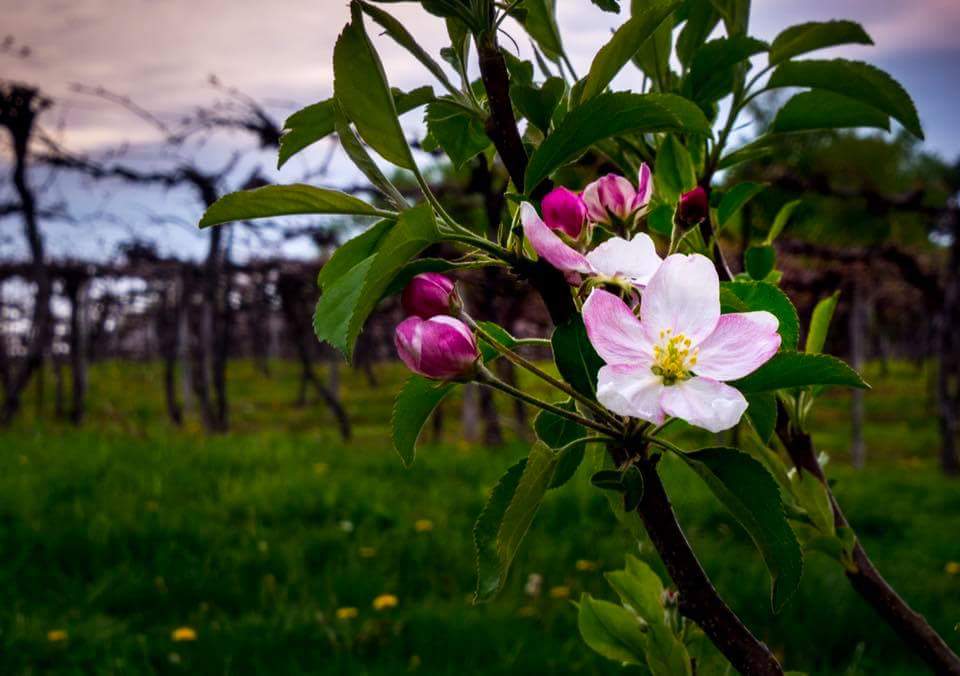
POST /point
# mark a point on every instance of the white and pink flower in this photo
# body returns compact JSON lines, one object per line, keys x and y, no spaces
{"x":674,"y":360}
{"x":633,"y":260}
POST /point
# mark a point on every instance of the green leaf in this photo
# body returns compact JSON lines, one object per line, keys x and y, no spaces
{"x":813,"y":497}
{"x":284,"y":200}
{"x":556,"y":432}
{"x":660,"y":219}
{"x":575,"y":357}
{"x":305,"y":127}
{"x":402,"y":37}
{"x":640,"y":589}
{"x":608,"y":115}
{"x":538,"y":105}
{"x":541,"y":23}
{"x":761,"y":147}
{"x":626,"y":41}
{"x":361,"y":159}
{"x":315,"y":122}
{"x":820,"y":323}
{"x":798,"y":369}
{"x":346,"y":303}
{"x":411,"y":410}
{"x":712,"y":73}
{"x":735,"y":13}
{"x":653,"y":57}
{"x":352,"y":253}
{"x":854,"y":79}
{"x":452,"y":9}
{"x":749,"y":296}
{"x":762,"y":412}
{"x":611,"y":630}
{"x":507,"y":516}
{"x":674,"y":173}
{"x":820,"y":109}
{"x":608,"y":480}
{"x":735,"y":198}
{"x":753,"y":497}
{"x":499,"y":334}
{"x":459,"y":133}
{"x":490,"y":577}
{"x":701,"y":20}
{"x":759,"y":261}
{"x":361,"y":89}
{"x":612,"y":6}
{"x":808,"y":37}
{"x":780,"y":222}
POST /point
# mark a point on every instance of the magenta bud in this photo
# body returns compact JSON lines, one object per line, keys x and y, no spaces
{"x":693,"y":206}
{"x":441,"y":348}
{"x":430,"y":294}
{"x":564,"y":210}
{"x":612,"y":197}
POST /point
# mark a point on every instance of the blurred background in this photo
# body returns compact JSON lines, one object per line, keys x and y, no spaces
{"x":190,"y":483}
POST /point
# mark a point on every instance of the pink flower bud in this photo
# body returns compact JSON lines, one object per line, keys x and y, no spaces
{"x":442,"y":348}
{"x":614,"y":197}
{"x":693,"y":206}
{"x":430,"y":294}
{"x":564,"y":210}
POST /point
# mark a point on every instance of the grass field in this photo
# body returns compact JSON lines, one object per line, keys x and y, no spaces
{"x":268,"y":546}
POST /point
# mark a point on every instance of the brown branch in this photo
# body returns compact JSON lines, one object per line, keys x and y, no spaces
{"x":700,"y":601}
{"x":908,"y":624}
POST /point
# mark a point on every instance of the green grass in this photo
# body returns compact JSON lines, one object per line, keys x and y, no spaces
{"x":125,"y":529}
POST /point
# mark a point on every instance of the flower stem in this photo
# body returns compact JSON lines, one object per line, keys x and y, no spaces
{"x":537,"y":371}
{"x":485,"y":377}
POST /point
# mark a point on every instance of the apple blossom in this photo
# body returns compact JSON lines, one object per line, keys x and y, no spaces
{"x":633,"y":260}
{"x":442,"y":348}
{"x":674,"y":359}
{"x":564,"y":210}
{"x":613,"y":197}
{"x":430,"y":294}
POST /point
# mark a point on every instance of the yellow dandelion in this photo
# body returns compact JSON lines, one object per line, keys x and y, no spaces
{"x":184,"y":634}
{"x":320,"y":468}
{"x":368,"y":552}
{"x":560,"y":592}
{"x":57,"y":635}
{"x":347,"y":613}
{"x":385,"y":601}
{"x":423,"y":525}
{"x":952,"y":568}
{"x":526,"y":611}
{"x":583,"y":565}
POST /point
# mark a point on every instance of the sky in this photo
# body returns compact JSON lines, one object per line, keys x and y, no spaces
{"x":161,"y":54}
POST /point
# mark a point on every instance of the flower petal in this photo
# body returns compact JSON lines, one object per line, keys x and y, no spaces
{"x":631,"y":391}
{"x":741,"y":343}
{"x":548,"y":245}
{"x":684,"y":297}
{"x":705,"y":403}
{"x":644,"y":188}
{"x":614,"y":331}
{"x":635,"y":260}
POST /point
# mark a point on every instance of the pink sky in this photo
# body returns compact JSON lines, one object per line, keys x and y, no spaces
{"x":160,"y":52}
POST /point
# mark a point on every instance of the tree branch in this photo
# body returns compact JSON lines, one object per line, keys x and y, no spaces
{"x":908,"y":624}
{"x":698,"y":599}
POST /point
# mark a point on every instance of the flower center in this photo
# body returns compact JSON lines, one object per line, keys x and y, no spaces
{"x":673,"y":357}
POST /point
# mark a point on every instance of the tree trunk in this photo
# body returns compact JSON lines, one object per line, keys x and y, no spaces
{"x":18,"y":109}
{"x":470,"y":413}
{"x":75,"y":290}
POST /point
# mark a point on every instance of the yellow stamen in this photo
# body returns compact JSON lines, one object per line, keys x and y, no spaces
{"x":674,"y":357}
